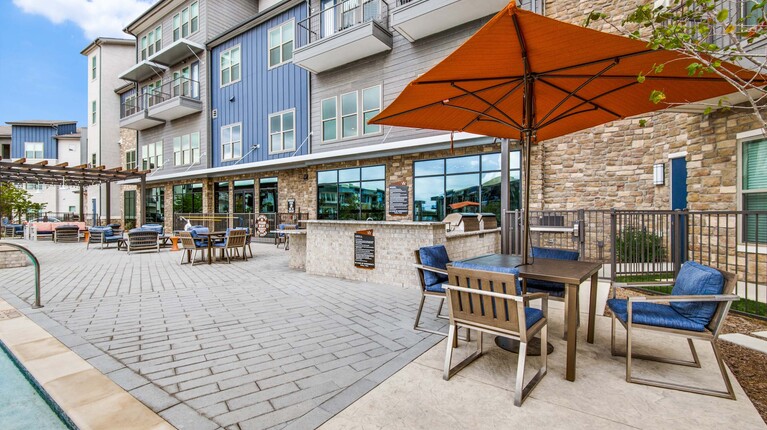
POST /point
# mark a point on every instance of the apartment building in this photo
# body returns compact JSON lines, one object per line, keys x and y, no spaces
{"x":106,"y":58}
{"x":5,"y":142}
{"x":53,"y":142}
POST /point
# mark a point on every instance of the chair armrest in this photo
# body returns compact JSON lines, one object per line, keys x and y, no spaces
{"x":544,"y":297}
{"x":701,"y":298}
{"x":430,"y":269}
{"x":484,"y":293}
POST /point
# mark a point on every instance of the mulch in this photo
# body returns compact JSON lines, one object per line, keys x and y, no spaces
{"x":746,"y":364}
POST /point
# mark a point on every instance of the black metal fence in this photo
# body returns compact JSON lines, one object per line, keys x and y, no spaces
{"x":222,"y":221}
{"x":643,"y":247}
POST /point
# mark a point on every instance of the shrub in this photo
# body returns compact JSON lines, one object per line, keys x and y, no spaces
{"x":637,"y":245}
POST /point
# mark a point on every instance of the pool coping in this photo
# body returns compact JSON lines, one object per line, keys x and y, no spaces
{"x":54,"y":374}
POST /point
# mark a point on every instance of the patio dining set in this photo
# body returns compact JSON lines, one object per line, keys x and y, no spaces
{"x":229,"y":243}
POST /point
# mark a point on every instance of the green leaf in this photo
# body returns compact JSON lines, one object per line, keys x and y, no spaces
{"x":722,"y":15}
{"x":707,"y":110}
{"x":657,"y":96}
{"x":642,"y":122}
{"x":640,"y":78}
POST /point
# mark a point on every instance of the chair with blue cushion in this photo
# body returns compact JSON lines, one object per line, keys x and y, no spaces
{"x":431,"y":264}
{"x":191,"y":245}
{"x":234,"y":240}
{"x":696,"y":309}
{"x":103,"y":236}
{"x":479,"y":300}
{"x":555,"y":290}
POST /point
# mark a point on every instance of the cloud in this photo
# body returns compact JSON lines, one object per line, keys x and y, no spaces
{"x":97,"y":18}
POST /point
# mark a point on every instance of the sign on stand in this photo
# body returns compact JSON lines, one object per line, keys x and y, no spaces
{"x":364,"y":249}
{"x":262,"y":225}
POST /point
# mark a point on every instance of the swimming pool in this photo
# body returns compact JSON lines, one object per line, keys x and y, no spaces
{"x":23,"y":405}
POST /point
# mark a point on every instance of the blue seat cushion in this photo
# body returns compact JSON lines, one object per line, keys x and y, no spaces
{"x":434,"y":256}
{"x":654,"y":314}
{"x":555,"y":254}
{"x":697,"y":279}
{"x":153,"y":227}
{"x":532,"y":316}
{"x":499,"y":269}
{"x":551,"y":288}
{"x":201,"y":243}
{"x":195,"y":231}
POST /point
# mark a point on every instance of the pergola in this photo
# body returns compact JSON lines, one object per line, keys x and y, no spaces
{"x":19,"y":171}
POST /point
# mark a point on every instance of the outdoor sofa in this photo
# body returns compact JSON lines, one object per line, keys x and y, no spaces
{"x":103,"y":236}
{"x":141,"y":239}
{"x":66,"y":233}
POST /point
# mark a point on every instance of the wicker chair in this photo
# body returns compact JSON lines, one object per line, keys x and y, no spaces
{"x":190,"y":245}
{"x":234,"y":241}
{"x":477,"y":300}
{"x":103,"y":236}
{"x":66,"y":233}
{"x":143,"y":240}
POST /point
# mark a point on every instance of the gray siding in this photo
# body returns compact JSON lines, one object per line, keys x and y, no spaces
{"x":227,"y":14}
{"x":394,"y":69}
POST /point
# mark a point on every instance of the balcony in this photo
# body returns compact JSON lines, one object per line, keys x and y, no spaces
{"x":134,"y":114}
{"x":176,"y":52}
{"x":343,"y":33}
{"x":177,"y":98}
{"x":143,"y":71}
{"x":416,"y":19}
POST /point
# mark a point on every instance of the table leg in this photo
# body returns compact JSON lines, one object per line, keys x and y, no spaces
{"x":572,"y":330}
{"x":210,"y":250}
{"x":592,"y":308}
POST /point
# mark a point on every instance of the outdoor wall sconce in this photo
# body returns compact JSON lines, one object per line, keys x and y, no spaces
{"x":659,"y":174}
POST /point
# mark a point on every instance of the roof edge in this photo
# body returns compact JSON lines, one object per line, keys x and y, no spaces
{"x":107,"y":41}
{"x":40,"y":122}
{"x":253,"y":21}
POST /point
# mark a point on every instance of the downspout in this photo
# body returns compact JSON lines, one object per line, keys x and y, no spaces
{"x":100,"y":61}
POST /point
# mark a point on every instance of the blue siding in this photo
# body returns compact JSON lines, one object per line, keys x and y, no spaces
{"x":259,"y":93}
{"x":67,"y":129}
{"x":23,"y":133}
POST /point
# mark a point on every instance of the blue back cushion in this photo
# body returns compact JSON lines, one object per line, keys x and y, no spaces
{"x":499,"y":269}
{"x":107,"y":230}
{"x":697,"y":279}
{"x":555,"y":254}
{"x":153,"y":227}
{"x":197,"y":230}
{"x":434,"y":256}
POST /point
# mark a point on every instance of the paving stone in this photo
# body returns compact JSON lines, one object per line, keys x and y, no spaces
{"x":127,"y":379}
{"x":154,"y":397}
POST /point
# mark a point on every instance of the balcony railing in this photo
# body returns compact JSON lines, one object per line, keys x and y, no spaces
{"x":179,"y":87}
{"x":340,"y":17}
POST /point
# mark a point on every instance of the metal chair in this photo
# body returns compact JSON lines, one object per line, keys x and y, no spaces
{"x":190,"y":245}
{"x":431,"y":279}
{"x":556,"y":290}
{"x":696,"y":310}
{"x":477,"y":300}
{"x":235,"y":239}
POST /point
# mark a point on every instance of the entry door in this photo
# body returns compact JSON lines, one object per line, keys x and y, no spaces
{"x":679,"y":202}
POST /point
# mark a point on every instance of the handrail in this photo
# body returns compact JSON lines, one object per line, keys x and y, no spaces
{"x":36,"y":263}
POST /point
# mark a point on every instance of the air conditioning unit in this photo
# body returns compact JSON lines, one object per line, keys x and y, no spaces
{"x":214,"y":113}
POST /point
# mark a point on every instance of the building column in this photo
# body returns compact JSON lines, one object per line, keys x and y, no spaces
{"x":109,"y":203}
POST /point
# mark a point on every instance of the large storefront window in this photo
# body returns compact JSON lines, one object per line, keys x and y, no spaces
{"x":221,"y":191}
{"x":462,"y":184}
{"x":154,"y":205}
{"x":187,"y":198}
{"x":352,"y":194}
{"x":267,"y":195}
{"x":243,"y":196}
{"x":129,"y":209}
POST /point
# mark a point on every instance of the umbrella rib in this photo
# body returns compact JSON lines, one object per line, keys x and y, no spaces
{"x":649,"y":78}
{"x":586,"y":101}
{"x":583,"y":99}
{"x":563,"y":116}
{"x":615,"y":58}
{"x":450,"y":81}
{"x":479,"y":113}
{"x":491,"y":105}
{"x":577,"y":89}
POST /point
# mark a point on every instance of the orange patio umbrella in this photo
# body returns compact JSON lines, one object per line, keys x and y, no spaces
{"x":528,"y":77}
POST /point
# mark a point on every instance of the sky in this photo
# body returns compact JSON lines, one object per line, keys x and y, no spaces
{"x":42,"y":74}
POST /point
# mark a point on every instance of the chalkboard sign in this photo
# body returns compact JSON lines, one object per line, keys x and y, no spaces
{"x":398,"y":201}
{"x":364,"y":249}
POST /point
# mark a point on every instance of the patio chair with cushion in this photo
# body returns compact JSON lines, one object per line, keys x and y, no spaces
{"x":248,"y":239}
{"x":102,"y":235}
{"x":696,"y":309}
{"x":160,"y":229}
{"x":66,"y":233}
{"x":281,"y":237}
{"x":191,"y":245}
{"x":234,"y":241}
{"x":431,"y":264}
{"x":556,"y":290}
{"x":140,"y":239}
{"x":480,"y":300}
{"x":13,"y":230}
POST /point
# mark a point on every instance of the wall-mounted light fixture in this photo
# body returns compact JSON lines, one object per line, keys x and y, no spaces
{"x":659,"y":174}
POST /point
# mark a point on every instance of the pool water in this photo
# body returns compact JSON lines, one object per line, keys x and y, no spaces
{"x":21,"y":406}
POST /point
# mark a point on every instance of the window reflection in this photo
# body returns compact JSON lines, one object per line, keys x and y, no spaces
{"x":352,"y":194}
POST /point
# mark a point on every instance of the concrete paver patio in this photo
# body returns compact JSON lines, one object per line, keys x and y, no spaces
{"x":257,"y":345}
{"x":246,"y":345}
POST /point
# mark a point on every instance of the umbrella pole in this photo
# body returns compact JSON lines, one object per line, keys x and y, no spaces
{"x":505,"y":201}
{"x":526,"y":207}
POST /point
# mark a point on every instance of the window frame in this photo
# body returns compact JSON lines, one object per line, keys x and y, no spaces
{"x":157,"y":157}
{"x":93,"y":111}
{"x":94,"y":62}
{"x":281,"y":114}
{"x":356,"y":114}
{"x":34,"y":150}
{"x":185,"y":151}
{"x":362,"y":110}
{"x":281,"y":28}
{"x":230,"y":67}
{"x":360,"y":114}
{"x":234,"y":156}
{"x":323,"y":120}
{"x":130,"y":159}
{"x":742,"y":192}
{"x":178,"y":21}
{"x":359,"y":182}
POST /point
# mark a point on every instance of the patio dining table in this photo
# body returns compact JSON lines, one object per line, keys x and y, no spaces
{"x":211,"y":237}
{"x":570,"y":273}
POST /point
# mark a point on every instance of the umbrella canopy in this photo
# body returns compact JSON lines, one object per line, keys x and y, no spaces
{"x":524,"y":76}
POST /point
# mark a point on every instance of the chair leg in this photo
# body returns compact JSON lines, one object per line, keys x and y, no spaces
{"x":418,"y":314}
{"x":449,"y":351}
{"x":452,"y":337}
{"x":519,"y":384}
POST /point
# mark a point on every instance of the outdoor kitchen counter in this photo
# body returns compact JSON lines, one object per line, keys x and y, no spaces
{"x":329,"y":248}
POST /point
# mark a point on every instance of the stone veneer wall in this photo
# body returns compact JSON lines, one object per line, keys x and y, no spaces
{"x":128,"y":141}
{"x":473,"y":244}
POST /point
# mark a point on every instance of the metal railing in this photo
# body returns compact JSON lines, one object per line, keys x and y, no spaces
{"x":42,"y":216}
{"x":642,"y":247}
{"x":531,"y":5}
{"x":739,"y":19}
{"x":222,"y":221}
{"x":339,"y":17}
{"x":178,"y":87}
{"x":38,"y":300}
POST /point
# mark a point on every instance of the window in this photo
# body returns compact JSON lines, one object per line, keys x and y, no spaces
{"x":186,"y":22}
{"x":33,"y":149}
{"x":230,"y":66}
{"x":93,"y":67}
{"x":329,"y":120}
{"x":754,"y":190}
{"x":153,"y":93}
{"x":352,"y":194}
{"x":93,"y":112}
{"x":186,"y":149}
{"x":282,"y":136}
{"x":462,"y":184}
{"x":94,"y":160}
{"x":281,"y":44}
{"x":154,"y":205}
{"x":72,"y":209}
{"x":267,"y":195}
{"x":349,"y":115}
{"x":34,"y":186}
{"x":129,"y":208}
{"x":243,"y":193}
{"x":143,"y":48}
{"x":357,"y":108}
{"x":131,"y":106}
{"x":221,"y":190}
{"x":130,"y":159}
{"x":151,"y":43}
{"x":187,"y":198}
{"x":231,"y":142}
{"x":151,"y":156}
